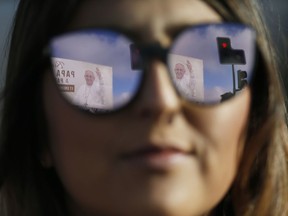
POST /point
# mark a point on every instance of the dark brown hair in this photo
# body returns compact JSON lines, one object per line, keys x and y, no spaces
{"x":26,"y":189}
{"x":261,"y":186}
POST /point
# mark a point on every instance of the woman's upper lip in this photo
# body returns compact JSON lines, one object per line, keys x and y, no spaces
{"x":154,"y":149}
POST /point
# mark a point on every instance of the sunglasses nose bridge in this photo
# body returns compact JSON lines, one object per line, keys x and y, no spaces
{"x":154,"y":51}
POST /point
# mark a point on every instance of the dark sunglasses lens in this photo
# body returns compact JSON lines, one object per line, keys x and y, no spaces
{"x":203,"y":59}
{"x":93,"y":69}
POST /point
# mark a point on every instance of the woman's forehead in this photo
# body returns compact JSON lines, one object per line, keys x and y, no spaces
{"x":143,"y":15}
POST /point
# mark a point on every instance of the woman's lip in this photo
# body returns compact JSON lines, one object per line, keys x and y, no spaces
{"x":157,"y":158}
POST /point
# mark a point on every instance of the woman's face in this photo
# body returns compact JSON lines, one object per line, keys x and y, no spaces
{"x":193,"y":152}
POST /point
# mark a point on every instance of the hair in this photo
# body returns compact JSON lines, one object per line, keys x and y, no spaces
{"x":261,"y":185}
{"x":27,"y":189}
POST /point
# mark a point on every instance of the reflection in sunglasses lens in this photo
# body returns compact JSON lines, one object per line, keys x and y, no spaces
{"x":212,"y":63}
{"x":93,"y":69}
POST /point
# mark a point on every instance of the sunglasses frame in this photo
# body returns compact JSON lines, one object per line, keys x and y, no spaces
{"x":148,"y":52}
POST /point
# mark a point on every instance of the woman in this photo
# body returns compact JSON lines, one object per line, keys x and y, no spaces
{"x":156,"y":152}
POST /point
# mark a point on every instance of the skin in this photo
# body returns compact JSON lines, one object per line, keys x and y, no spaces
{"x":179,"y":70}
{"x":85,"y":149}
{"x":89,"y":77}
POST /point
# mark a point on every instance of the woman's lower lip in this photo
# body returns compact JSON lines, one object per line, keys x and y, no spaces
{"x":159,"y":160}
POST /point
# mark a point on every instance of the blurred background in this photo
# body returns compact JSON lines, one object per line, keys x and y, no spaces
{"x":7,"y":9}
{"x":275,"y":14}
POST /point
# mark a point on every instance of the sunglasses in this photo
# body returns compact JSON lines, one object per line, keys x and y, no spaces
{"x":102,"y":70}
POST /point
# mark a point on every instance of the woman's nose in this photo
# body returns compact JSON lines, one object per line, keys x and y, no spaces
{"x":158,"y":95}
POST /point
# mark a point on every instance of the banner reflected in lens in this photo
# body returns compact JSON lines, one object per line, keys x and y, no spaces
{"x":187,"y":74}
{"x":85,"y":84}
